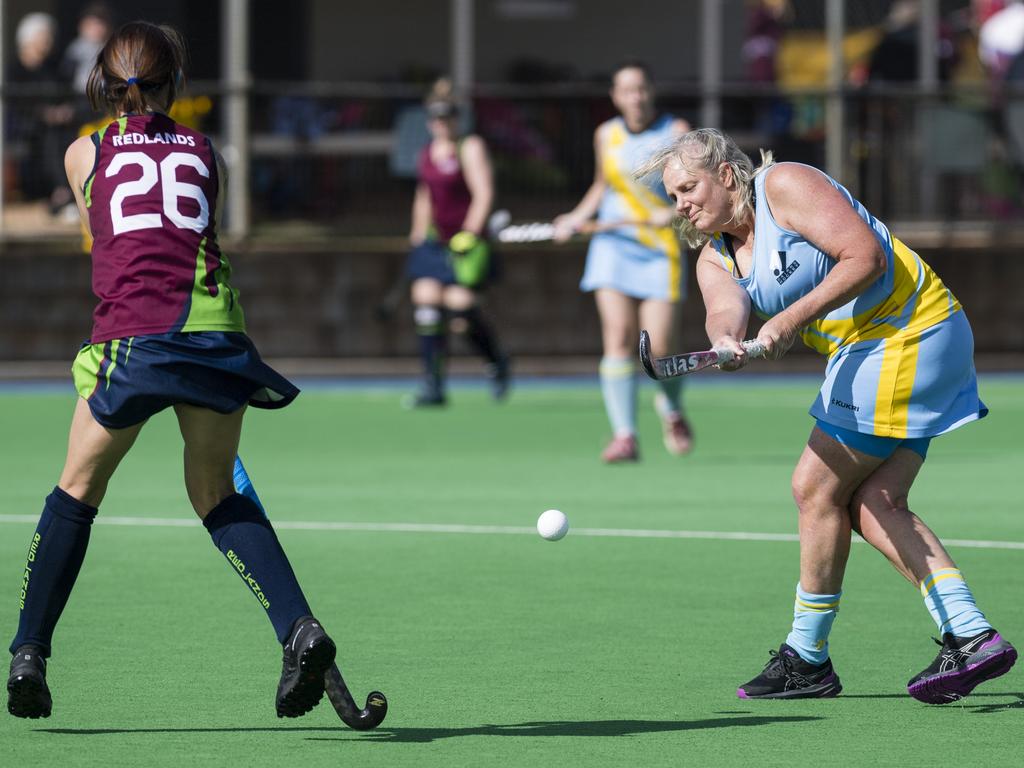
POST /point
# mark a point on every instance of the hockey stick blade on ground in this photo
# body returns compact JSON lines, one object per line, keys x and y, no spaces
{"x":365,"y":719}
{"x":689,"y":362}
{"x":370,"y":716}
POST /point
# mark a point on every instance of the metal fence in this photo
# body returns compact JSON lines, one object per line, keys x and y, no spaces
{"x":342,"y":158}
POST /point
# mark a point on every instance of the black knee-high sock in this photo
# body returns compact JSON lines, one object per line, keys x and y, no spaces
{"x":244,"y":534}
{"x":55,"y":556}
{"x":480,"y":333}
{"x":430,"y":328}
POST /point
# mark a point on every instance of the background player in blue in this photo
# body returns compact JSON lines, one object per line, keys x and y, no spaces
{"x":635,"y":270}
{"x":168,"y":332}
{"x":793,"y":244}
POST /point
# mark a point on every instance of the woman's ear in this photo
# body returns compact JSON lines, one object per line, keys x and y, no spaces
{"x":726,"y":175}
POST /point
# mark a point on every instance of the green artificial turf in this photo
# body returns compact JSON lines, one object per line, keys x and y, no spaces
{"x":501,"y":648}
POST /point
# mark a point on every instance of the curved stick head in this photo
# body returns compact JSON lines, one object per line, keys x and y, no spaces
{"x":365,"y":719}
{"x":645,"y":354}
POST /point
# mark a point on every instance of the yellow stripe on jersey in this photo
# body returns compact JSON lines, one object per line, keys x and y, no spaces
{"x":639,"y":199}
{"x":728,"y":263}
{"x":915,"y":285}
{"x":895,"y":385}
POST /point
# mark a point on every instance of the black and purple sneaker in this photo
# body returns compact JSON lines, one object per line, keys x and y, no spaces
{"x":962,"y":664}
{"x":787,"y":676}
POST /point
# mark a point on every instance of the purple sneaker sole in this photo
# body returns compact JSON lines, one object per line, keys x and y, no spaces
{"x":996,"y":658}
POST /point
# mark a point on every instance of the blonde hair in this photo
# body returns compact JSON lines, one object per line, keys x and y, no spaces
{"x":707,"y":149}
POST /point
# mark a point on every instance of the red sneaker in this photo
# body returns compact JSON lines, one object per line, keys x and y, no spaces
{"x":675,"y":430}
{"x":623,"y":448}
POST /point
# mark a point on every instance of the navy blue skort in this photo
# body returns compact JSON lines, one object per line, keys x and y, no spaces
{"x":125,"y":381}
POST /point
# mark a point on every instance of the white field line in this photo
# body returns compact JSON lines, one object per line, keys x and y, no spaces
{"x":624,"y":533}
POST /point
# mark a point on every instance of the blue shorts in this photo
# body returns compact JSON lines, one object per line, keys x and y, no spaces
{"x":433,"y":260}
{"x":873,"y":445}
{"x":125,"y":381}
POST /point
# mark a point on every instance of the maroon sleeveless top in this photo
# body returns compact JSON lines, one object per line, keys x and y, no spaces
{"x":449,"y":195}
{"x":156,"y":265}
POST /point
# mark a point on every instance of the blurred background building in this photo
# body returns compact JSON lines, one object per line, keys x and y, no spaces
{"x":916,"y":105}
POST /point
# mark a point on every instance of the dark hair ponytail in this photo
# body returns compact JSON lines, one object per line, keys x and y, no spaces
{"x":135,"y":67}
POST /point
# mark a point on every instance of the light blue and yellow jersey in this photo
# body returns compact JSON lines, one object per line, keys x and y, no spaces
{"x":640,"y":261}
{"x":900,"y":353}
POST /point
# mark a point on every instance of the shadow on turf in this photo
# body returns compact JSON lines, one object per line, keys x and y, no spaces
{"x":964,"y":704}
{"x":106,"y":731}
{"x":555,"y":728}
{"x":422,"y":735}
{"x":570,"y":728}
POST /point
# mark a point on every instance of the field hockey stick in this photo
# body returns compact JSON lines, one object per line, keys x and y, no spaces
{"x":543,"y":231}
{"x":376,"y":709}
{"x":659,"y":368}
{"x":365,"y":719}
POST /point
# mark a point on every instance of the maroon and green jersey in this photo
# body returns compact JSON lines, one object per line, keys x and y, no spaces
{"x":156,"y":265}
{"x":449,"y":194}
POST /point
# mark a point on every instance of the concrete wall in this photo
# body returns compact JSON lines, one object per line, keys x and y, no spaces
{"x":321,"y":303}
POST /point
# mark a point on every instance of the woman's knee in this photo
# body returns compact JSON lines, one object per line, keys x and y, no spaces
{"x":87,"y":488}
{"x":873,"y":504}
{"x":205,"y":497}
{"x":618,"y":336}
{"x":813,"y":493}
{"x":426,"y":290}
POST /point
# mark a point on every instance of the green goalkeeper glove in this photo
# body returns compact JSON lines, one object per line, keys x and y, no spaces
{"x":470,"y":258}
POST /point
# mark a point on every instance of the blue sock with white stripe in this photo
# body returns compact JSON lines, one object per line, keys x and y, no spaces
{"x":950,"y":602}
{"x":812,"y":621}
{"x":618,"y":385}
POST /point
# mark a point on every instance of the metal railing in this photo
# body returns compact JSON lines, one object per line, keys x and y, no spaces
{"x":341,"y":157}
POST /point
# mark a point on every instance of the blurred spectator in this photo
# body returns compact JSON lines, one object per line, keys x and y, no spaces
{"x":94,"y":27}
{"x":1001,"y":39}
{"x":34,"y":62}
{"x":1001,"y":48}
{"x":767,"y":21}
{"x":895,"y":58}
{"x":765,"y":26}
{"x":42,"y":122}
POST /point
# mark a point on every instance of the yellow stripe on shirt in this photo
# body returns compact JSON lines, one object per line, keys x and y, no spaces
{"x":639,"y":199}
{"x":914,"y":283}
{"x":895,"y":385}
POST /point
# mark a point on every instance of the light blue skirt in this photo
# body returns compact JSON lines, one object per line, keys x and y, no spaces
{"x":914,"y":385}
{"x":626,"y":266}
